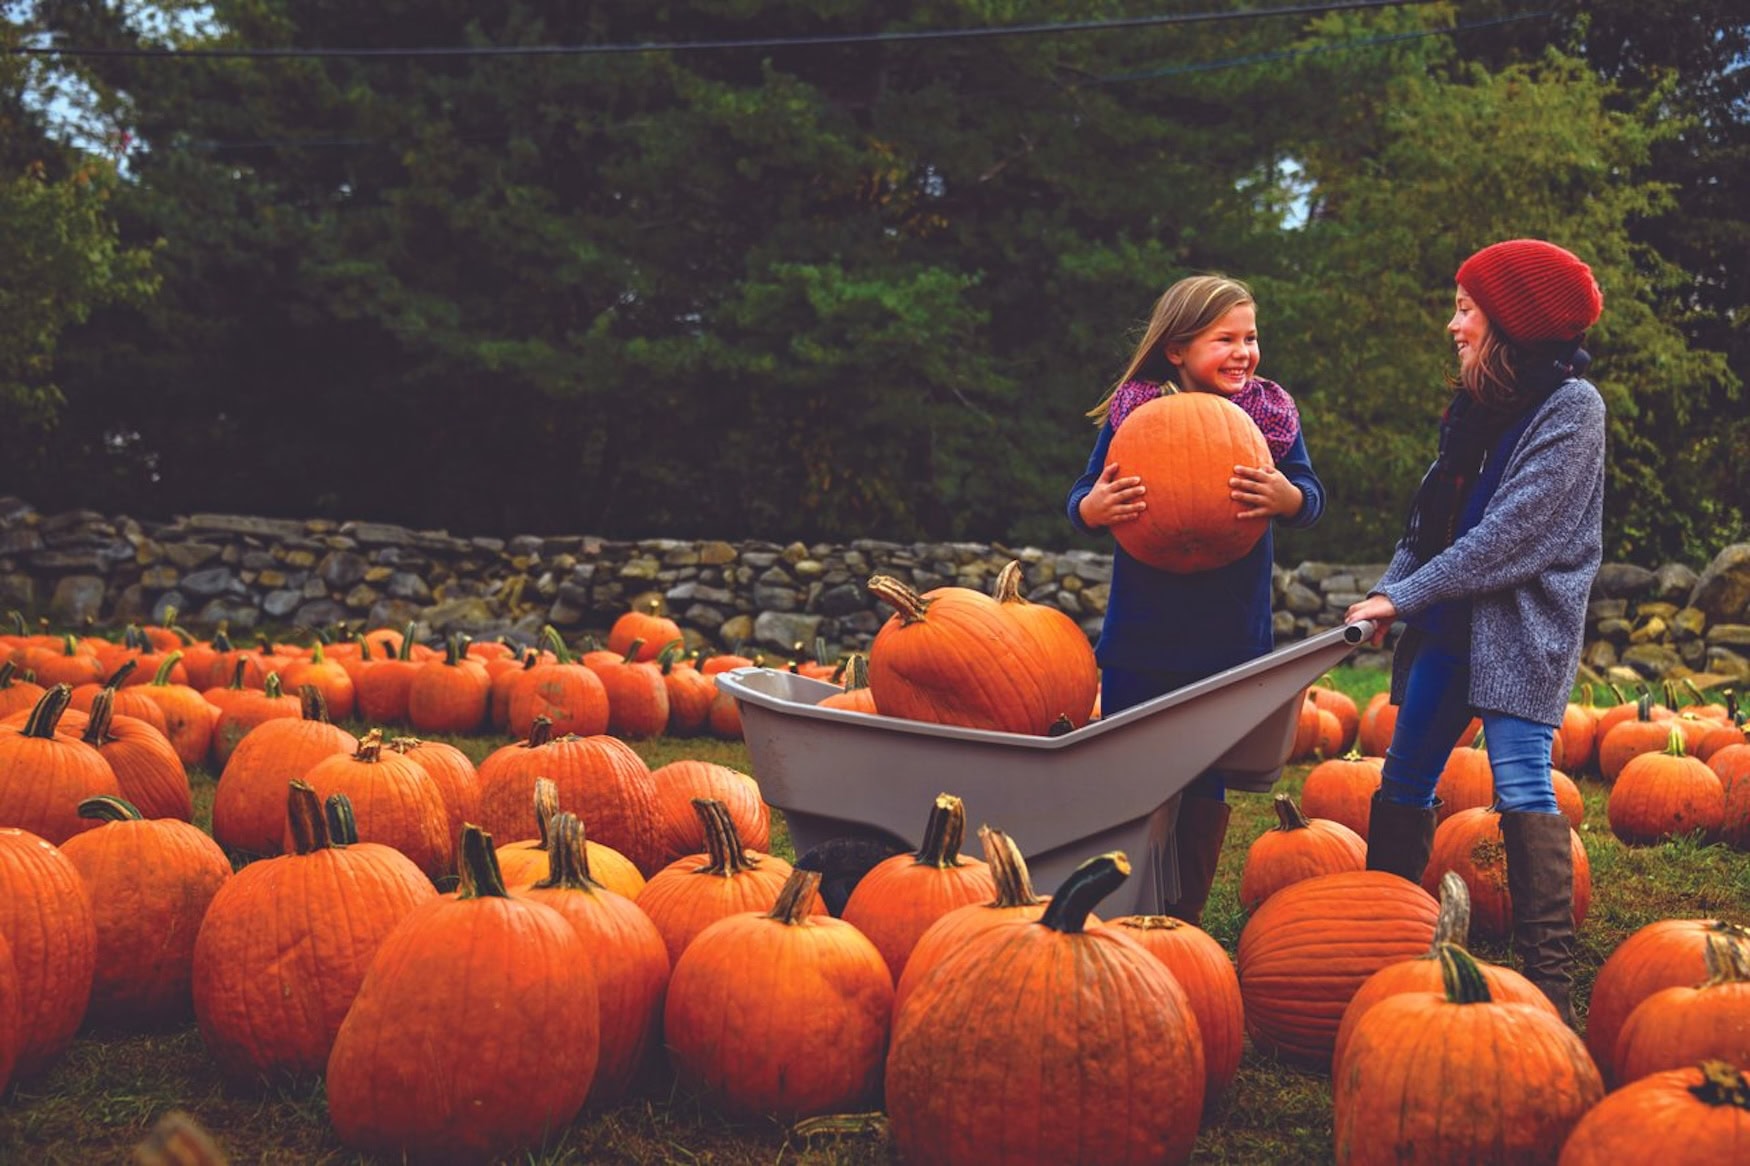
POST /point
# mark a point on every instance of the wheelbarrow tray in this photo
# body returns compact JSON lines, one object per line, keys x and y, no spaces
{"x":836,"y":773}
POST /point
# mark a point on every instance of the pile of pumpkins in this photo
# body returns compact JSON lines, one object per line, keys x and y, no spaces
{"x":580,"y":951}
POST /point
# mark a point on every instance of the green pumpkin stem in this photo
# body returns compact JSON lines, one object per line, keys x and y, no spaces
{"x":1461,"y":976}
{"x":105,"y":808}
{"x":727,"y":857}
{"x":271,"y":686}
{"x":481,"y":878}
{"x":906,"y":603}
{"x":1086,"y":885}
{"x":795,"y":900}
{"x":1008,"y":869}
{"x":555,"y":644}
{"x":1674,"y":746}
{"x":343,"y":826}
{"x":1722,"y":1084}
{"x":47,"y":713}
{"x":161,"y":678}
{"x":304,"y":819}
{"x":944,"y":833}
{"x":8,"y":673}
{"x":632,"y":650}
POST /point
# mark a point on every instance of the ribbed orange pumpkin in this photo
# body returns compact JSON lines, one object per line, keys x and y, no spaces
{"x":1466,"y":781}
{"x":47,"y":920}
{"x":249,"y":709}
{"x":530,"y":860}
{"x":16,"y":694}
{"x":1695,"y":1115}
{"x":128,"y":700}
{"x":513,"y":1017}
{"x":1047,"y":1043}
{"x":629,"y":956}
{"x":249,"y":807}
{"x":1204,"y":969}
{"x":679,"y":782}
{"x":11,"y":1015}
{"x":1664,"y":954}
{"x":690,"y":693}
{"x":329,"y":677}
{"x":1686,"y":1023}
{"x":1526,"y":1078}
{"x":1423,"y":974}
{"x":1184,"y":447}
{"x":1579,"y":732}
{"x":1062,"y":643}
{"x":600,"y":779}
{"x":448,"y":695}
{"x":143,"y":760}
{"x":1307,"y":950}
{"x":637,"y":695}
{"x":1624,"y":737}
{"x":381,"y":685}
{"x":1341,"y":789}
{"x":45,"y":772}
{"x":1014,"y":899}
{"x":562,"y":690}
{"x":452,"y":771}
{"x":1664,"y":794}
{"x":1342,"y":706}
{"x":857,"y":696}
{"x":150,"y":884}
{"x":286,"y":941}
{"x":1470,"y":844}
{"x":188,"y":718}
{"x":954,"y":656}
{"x":690,"y":894}
{"x":646,"y":625}
{"x":900,"y":897}
{"x":1379,"y":718}
{"x":1296,"y":848}
{"x":1731,"y":764}
{"x":394,"y":802}
{"x":784,"y":1013}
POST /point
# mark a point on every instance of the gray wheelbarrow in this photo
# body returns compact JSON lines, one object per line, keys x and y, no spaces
{"x":854,"y":787}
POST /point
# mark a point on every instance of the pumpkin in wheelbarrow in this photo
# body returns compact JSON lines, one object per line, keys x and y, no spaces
{"x":1184,"y":447}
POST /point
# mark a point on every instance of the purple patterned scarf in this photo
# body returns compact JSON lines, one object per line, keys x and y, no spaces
{"x":1265,"y":402}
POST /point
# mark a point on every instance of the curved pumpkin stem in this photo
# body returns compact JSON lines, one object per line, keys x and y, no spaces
{"x":1008,"y":869}
{"x":312,"y":705}
{"x":728,"y":857}
{"x":98,"y":718}
{"x":796,"y":897}
{"x":567,"y":855}
{"x":1725,"y":960}
{"x":909,"y":605}
{"x":481,"y":878}
{"x":1722,"y":1084}
{"x":943,"y":834}
{"x":555,"y":644}
{"x":272,"y":687}
{"x":1008,"y":584}
{"x":1461,"y":976}
{"x":305,"y":820}
{"x":47,"y":712}
{"x":546,"y":809}
{"x":1452,"y":924}
{"x":106,"y":808}
{"x":161,"y":678}
{"x":1290,"y":816}
{"x":1086,"y":885}
{"x":1674,"y":746}
{"x":856,"y":672}
{"x":121,"y":674}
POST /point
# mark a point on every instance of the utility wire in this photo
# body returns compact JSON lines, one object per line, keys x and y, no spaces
{"x":709,"y":45}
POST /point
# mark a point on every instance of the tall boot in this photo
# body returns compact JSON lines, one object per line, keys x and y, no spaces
{"x":1400,"y":838}
{"x":1540,"y":881}
{"x":1198,"y":834}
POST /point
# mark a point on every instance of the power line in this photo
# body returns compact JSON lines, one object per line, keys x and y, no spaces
{"x":711,"y":45}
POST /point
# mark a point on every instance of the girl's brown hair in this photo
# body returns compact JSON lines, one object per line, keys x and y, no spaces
{"x":1184,"y":310}
{"x":1492,"y":377}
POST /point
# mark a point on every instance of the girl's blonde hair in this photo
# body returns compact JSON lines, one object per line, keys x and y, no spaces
{"x":1184,"y":310}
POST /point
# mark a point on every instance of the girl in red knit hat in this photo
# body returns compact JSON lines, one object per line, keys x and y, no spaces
{"x":1492,"y":578}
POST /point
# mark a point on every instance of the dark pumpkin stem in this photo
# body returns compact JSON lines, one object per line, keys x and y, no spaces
{"x":343,"y":827}
{"x":796,"y":897}
{"x":98,"y":717}
{"x":1086,"y":885}
{"x":312,"y":706}
{"x":1008,"y":869}
{"x":1722,"y":1084}
{"x":567,"y":855}
{"x":453,"y":651}
{"x":120,"y":675}
{"x":481,"y":878}
{"x":1452,"y":924}
{"x":540,"y":732}
{"x":105,"y":808}
{"x":907,"y":603}
{"x":1462,"y":977}
{"x":1725,"y":961}
{"x":1290,"y":816}
{"x":47,"y":713}
{"x":8,"y":672}
{"x":728,"y":857}
{"x":944,"y":833}
{"x":404,"y":651}
{"x":161,"y":678}
{"x":546,"y":809}
{"x":304,"y":818}
{"x":237,"y":671}
{"x":632,"y":650}
{"x":370,"y":750}
{"x":856,"y":672}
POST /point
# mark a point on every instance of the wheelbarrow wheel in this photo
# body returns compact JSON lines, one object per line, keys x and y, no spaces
{"x":842,"y":863}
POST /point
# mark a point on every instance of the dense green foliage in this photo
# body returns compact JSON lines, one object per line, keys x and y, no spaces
{"x":852,"y":289}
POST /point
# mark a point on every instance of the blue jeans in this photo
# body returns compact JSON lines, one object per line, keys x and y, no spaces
{"x":1122,"y":688}
{"x":1435,"y":711}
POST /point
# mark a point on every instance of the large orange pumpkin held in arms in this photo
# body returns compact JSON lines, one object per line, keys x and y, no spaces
{"x":1184,"y":448}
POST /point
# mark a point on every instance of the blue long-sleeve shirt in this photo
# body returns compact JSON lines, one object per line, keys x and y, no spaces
{"x":1201,"y":622}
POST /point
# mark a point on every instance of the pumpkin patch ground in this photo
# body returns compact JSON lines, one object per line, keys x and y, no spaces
{"x":104,"y":1094}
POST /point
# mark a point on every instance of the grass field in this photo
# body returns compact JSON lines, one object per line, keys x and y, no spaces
{"x":107,"y":1092}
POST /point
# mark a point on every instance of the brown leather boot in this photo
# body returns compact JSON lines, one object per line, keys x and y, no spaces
{"x":1399,"y":838}
{"x":1540,"y":881}
{"x":1198,"y":834}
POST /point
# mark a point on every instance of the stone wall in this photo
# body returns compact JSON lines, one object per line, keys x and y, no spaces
{"x":77,"y":567}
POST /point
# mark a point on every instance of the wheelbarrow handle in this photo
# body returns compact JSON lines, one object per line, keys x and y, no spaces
{"x":1357,"y":632}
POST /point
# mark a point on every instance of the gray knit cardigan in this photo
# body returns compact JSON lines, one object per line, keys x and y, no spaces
{"x":1526,"y":568}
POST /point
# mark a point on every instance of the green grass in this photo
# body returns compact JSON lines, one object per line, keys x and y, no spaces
{"x":103,"y":1096}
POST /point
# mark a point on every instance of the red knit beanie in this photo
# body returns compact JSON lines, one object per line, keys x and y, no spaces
{"x":1532,"y":290}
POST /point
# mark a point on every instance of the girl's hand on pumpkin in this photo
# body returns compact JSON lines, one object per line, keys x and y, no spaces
{"x":1264,"y":492}
{"x":1113,"y":499}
